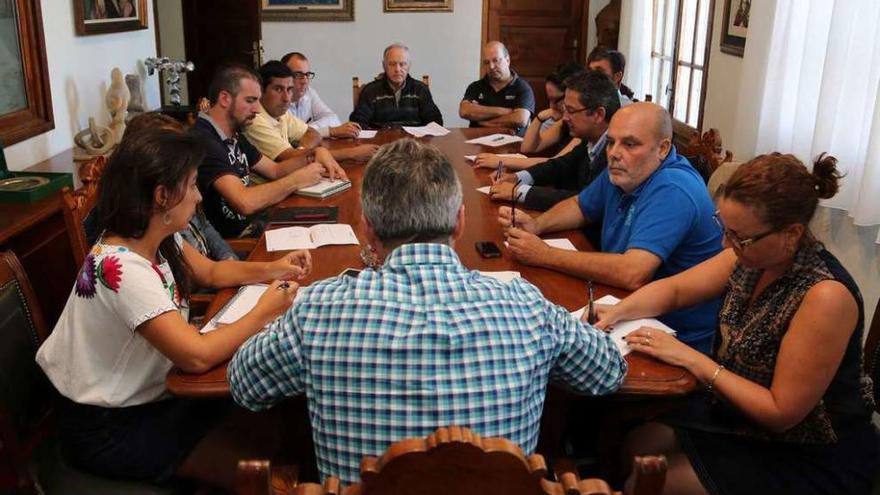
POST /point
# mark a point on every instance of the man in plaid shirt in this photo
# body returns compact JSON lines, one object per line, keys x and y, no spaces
{"x":421,"y":342}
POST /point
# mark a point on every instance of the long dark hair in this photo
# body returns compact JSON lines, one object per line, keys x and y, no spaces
{"x":144,"y":161}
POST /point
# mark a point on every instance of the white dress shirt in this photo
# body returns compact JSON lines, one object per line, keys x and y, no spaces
{"x":312,"y":110}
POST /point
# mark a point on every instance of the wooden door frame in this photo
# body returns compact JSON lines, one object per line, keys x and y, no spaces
{"x":582,"y":42}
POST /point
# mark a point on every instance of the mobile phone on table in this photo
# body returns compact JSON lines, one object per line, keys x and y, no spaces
{"x":488,"y":249}
{"x":350,"y":272}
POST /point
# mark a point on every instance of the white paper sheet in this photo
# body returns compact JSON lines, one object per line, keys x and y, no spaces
{"x":367,"y":134}
{"x":290,"y":238}
{"x":505,"y":276}
{"x":240,"y":304}
{"x":473,"y":158}
{"x":484,"y":189}
{"x":557,"y":243}
{"x":494,"y":140}
{"x":623,"y":328}
{"x":432,"y":129}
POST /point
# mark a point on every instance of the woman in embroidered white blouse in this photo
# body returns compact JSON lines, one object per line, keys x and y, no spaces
{"x":125,"y":324}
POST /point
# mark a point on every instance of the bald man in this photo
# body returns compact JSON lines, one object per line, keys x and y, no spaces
{"x":500,"y":98}
{"x":656,"y":214}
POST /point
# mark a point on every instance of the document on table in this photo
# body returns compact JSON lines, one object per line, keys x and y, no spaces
{"x":432,"y":129}
{"x":494,"y":140}
{"x":367,"y":134}
{"x":484,"y":189}
{"x":502,"y":276}
{"x":240,"y":304}
{"x":473,"y":158}
{"x":290,"y":238}
{"x":623,"y":328}
{"x":557,"y":243}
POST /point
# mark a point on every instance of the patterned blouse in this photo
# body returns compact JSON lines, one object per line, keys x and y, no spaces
{"x":751,"y":334}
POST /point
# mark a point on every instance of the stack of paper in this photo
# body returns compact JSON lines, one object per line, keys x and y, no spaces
{"x":623,"y":328}
{"x":494,"y":140}
{"x":290,"y":238}
{"x":432,"y":129}
{"x":324,"y":188}
{"x":473,"y":158}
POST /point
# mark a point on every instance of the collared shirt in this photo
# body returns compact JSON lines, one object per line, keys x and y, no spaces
{"x":273,"y":136}
{"x":312,"y":110}
{"x":526,"y":180}
{"x":420,"y":343}
{"x":515,"y":94}
{"x":668,"y":215}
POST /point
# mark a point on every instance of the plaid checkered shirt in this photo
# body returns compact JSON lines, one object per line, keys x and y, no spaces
{"x":423,"y":342}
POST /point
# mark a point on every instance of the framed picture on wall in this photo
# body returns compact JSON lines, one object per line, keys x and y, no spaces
{"x":736,"y":26}
{"x":109,"y":16}
{"x":418,"y":5}
{"x":307,"y":10}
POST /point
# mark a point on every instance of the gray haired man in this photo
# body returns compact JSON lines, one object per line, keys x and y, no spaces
{"x":422,"y":341}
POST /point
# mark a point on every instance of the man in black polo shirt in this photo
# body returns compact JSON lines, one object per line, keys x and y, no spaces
{"x":395,"y":99}
{"x":230,"y":200}
{"x":501,"y":98}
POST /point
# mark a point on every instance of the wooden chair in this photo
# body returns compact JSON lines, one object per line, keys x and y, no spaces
{"x":705,"y":152}
{"x":456,"y":460}
{"x":356,"y":87}
{"x":78,"y":205}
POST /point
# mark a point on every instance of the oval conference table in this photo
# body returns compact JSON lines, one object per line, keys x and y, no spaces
{"x":646,"y":377}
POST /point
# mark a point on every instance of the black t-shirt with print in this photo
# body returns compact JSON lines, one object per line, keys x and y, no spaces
{"x":231,"y":157}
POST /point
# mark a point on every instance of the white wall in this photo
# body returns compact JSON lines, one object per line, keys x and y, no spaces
{"x":79,"y":73}
{"x":731,"y":109}
{"x":445,"y":46}
{"x":169,"y":15}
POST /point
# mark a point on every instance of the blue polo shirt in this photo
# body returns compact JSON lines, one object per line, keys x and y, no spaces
{"x":669,"y":215}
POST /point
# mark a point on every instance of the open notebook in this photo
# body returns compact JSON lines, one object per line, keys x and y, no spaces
{"x":623,"y":328}
{"x":290,"y":238}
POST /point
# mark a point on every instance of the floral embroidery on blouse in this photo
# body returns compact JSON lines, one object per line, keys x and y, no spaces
{"x":172,"y":289}
{"x":85,"y":280}
{"x":110,"y":273}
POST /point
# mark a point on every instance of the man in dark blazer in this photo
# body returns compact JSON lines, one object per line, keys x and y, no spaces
{"x":591,"y":100}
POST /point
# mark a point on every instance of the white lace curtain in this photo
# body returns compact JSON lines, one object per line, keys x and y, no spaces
{"x":809,"y":84}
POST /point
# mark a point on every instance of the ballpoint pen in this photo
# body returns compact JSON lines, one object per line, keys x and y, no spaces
{"x":513,"y":203}
{"x":499,"y":170}
{"x":591,"y":310}
{"x":499,"y":138}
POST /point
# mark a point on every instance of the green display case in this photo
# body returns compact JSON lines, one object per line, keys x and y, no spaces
{"x":16,"y":189}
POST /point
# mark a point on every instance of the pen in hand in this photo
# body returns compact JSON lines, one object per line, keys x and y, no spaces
{"x":591,"y":310}
{"x":499,"y":170}
{"x":284,"y":285}
{"x":513,"y":203}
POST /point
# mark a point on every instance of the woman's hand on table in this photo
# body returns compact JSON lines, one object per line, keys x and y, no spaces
{"x":293,"y":265}
{"x":275,"y":301}
{"x":659,"y":344}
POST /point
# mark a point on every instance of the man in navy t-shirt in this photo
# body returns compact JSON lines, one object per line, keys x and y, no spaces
{"x":501,"y":98}
{"x":656,"y":219}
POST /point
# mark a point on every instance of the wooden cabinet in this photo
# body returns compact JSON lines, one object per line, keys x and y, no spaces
{"x":37,"y":234}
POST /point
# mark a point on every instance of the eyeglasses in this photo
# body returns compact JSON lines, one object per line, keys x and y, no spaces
{"x":299,"y":76}
{"x":572,"y":111}
{"x":736,"y":241}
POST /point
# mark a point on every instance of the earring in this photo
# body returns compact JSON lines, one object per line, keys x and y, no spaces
{"x":166,"y":219}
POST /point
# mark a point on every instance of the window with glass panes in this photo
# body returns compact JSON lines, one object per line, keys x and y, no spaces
{"x":680,"y":57}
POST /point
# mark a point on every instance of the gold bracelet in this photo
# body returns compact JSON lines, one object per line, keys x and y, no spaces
{"x":711,"y":383}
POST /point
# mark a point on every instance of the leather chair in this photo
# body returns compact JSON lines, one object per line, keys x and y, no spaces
{"x":29,"y":460}
{"x":356,"y":87}
{"x":456,"y":460}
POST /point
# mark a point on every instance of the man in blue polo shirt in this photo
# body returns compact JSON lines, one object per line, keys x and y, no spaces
{"x":501,"y":98}
{"x":656,"y":218}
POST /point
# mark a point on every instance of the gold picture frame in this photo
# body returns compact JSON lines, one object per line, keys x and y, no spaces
{"x":418,"y":5}
{"x":109,"y":16}
{"x":307,"y":10}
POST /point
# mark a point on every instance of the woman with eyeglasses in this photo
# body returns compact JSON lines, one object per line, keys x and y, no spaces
{"x":786,"y":406}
